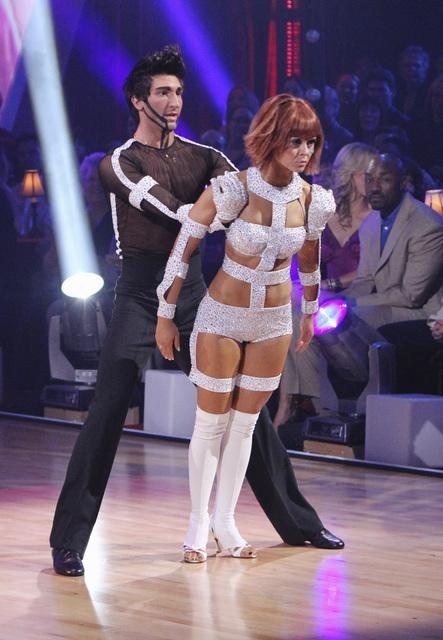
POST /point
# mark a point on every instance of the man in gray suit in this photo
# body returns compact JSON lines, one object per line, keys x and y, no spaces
{"x":400,"y":272}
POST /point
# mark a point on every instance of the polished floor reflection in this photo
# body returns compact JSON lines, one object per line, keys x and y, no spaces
{"x":385,"y":585}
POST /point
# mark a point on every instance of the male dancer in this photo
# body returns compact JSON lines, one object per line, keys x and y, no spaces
{"x":150,"y":177}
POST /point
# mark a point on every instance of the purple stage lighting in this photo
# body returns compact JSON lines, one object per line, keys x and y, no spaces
{"x":330,"y":314}
{"x":197,"y":45}
{"x":105,"y":57}
{"x":98,"y":47}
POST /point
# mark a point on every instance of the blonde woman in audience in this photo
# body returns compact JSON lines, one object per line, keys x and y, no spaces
{"x":340,"y":244}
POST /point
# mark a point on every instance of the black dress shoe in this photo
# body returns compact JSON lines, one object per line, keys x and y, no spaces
{"x":67,"y":562}
{"x":324,"y":539}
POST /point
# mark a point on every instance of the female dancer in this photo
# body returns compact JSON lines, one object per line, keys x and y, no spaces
{"x":243,"y":327}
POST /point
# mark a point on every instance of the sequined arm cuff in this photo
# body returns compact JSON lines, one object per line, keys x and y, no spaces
{"x":175,"y":267}
{"x":309,"y":279}
{"x":308,"y":307}
{"x":166,"y":310}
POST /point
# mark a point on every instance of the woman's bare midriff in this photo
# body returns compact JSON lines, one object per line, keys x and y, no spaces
{"x":228,"y":290}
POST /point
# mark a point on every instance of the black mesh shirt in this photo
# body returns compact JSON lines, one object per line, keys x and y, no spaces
{"x":146,"y":182}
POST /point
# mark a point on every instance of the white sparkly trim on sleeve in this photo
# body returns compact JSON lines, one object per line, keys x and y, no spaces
{"x":320,"y":210}
{"x":166,"y":310}
{"x":175,"y":267}
{"x":230,"y":196}
{"x":140,"y":191}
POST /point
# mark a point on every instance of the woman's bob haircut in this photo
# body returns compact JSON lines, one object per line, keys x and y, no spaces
{"x":279,"y":119}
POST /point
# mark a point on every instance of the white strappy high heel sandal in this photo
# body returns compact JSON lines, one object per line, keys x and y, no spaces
{"x":194,"y":548}
{"x":194,"y":556}
{"x":237,"y":549}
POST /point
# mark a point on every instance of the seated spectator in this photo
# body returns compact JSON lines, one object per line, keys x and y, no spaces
{"x":417,"y":181}
{"x":236,"y":129}
{"x":427,"y":133}
{"x":419,"y":353}
{"x":340,"y":248}
{"x":296,"y":86}
{"x":412,"y":84}
{"x":399,"y":273}
{"x":240,"y":96}
{"x":394,"y":140}
{"x":347,"y":87}
{"x":369,"y":120}
{"x":380,"y":84}
{"x":336,"y":136}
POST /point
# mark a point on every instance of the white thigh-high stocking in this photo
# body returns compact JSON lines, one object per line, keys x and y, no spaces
{"x":204,"y":454}
{"x":236,"y":450}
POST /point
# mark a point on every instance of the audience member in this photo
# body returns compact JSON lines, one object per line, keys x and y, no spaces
{"x":370,"y":120}
{"x":296,"y":86}
{"x":394,"y":140}
{"x":340,"y":249}
{"x":236,"y":128}
{"x":412,"y":85}
{"x":380,"y":84}
{"x":336,"y":136}
{"x":427,"y":133}
{"x":419,"y":353}
{"x":399,"y":273}
{"x":347,"y":87}
{"x":240,"y":96}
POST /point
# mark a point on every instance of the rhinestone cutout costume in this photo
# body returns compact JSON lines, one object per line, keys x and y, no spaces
{"x":257,"y":322}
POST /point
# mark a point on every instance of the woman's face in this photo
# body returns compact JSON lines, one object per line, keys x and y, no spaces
{"x":358,"y":178}
{"x":297,"y":154}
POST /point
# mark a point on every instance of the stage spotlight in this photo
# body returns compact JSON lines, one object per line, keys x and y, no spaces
{"x":71,"y":227}
{"x":331,"y":313}
{"x":82,"y":285}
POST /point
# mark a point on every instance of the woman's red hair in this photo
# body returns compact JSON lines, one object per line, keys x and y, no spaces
{"x":279,"y":119}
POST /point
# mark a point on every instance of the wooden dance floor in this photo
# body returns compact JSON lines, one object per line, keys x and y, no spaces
{"x":386,"y":584}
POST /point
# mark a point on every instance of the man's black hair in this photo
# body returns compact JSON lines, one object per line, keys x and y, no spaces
{"x":167,"y":61}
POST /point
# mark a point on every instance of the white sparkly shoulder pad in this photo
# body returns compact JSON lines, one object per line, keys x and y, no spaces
{"x":320,"y":210}
{"x":230,"y":198}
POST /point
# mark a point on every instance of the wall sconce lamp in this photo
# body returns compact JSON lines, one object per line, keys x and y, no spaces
{"x":32,"y":188}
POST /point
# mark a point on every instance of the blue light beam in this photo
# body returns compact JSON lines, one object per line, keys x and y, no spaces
{"x":200,"y":49}
{"x":72,"y":232}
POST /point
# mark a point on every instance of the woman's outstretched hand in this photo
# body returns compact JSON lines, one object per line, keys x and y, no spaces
{"x":167,"y":337}
{"x":306,"y":333}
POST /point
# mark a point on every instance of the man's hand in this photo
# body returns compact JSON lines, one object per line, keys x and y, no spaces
{"x":437,"y":330}
{"x":167,"y":337}
{"x":306,"y":333}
